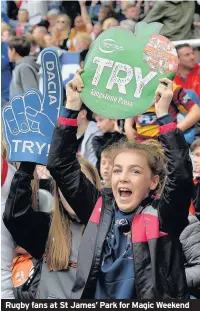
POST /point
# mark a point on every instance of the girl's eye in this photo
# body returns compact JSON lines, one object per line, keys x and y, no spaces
{"x":135,"y":172}
{"x":116,"y":171}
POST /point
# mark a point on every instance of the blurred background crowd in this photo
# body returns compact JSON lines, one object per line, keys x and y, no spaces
{"x":73,"y":25}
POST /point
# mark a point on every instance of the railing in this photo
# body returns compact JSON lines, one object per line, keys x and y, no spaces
{"x":193,"y":42}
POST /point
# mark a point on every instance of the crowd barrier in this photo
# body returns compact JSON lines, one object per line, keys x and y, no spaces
{"x":193,"y":42}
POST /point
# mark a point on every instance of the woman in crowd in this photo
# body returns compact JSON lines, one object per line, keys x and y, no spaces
{"x":79,"y":27}
{"x":61,"y":30}
{"x":55,"y":238}
{"x":130,"y":247}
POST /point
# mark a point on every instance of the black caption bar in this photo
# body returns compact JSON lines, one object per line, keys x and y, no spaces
{"x":6,"y":305}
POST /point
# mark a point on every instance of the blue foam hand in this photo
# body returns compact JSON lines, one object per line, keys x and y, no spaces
{"x":30,"y":118}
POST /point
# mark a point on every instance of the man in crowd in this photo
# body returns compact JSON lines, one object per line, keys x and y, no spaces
{"x":188,"y":75}
{"x":176,"y":17}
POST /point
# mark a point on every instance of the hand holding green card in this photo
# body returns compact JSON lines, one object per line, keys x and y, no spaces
{"x":122,"y":70}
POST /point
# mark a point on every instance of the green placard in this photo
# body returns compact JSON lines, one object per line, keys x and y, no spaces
{"x":122,"y":70}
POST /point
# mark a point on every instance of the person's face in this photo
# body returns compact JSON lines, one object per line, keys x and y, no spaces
{"x":132,"y":13}
{"x":11,"y":54}
{"x":103,"y":12}
{"x":48,"y":40}
{"x":197,"y":159}
{"x":132,"y":179}
{"x":39,"y":32}
{"x":61,"y":23}
{"x":78,"y":22}
{"x":104,"y":125}
{"x":106,"y":165}
{"x":52,"y":20}
{"x":80,"y":44}
{"x":186,"y":57}
{"x":22,"y":16}
{"x":5,"y":36}
{"x":97,"y":29}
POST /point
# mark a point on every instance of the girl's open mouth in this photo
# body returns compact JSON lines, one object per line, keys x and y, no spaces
{"x":124,"y":192}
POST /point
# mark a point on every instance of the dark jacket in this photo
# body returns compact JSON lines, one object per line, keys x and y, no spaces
{"x":158,"y":260}
{"x":190,"y":240}
{"x":29,"y":228}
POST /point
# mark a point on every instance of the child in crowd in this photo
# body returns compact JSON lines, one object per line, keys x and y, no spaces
{"x":55,"y":238}
{"x":106,"y":167}
{"x":130,"y":247}
{"x":111,"y":134}
{"x":7,"y":35}
{"x":145,"y":125}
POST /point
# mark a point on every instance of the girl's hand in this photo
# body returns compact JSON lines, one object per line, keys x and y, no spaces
{"x":73,"y":90}
{"x":163,"y":97}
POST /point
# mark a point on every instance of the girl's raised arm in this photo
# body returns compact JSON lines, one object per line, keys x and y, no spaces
{"x":175,"y":199}
{"x":28,"y":227}
{"x":63,"y":164}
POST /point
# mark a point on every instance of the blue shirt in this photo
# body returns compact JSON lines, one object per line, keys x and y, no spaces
{"x":116,"y":278}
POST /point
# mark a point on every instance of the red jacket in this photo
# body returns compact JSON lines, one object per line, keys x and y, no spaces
{"x":192,"y":82}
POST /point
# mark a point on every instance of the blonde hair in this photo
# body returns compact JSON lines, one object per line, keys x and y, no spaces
{"x":110,"y":22}
{"x":85,"y":37}
{"x":5,"y":27}
{"x":61,"y":34}
{"x":154,"y":154}
{"x":59,"y":240}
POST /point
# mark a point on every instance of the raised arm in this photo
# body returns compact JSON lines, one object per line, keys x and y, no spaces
{"x":86,"y":18}
{"x":28,"y":227}
{"x":176,"y":196}
{"x":63,"y":164}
